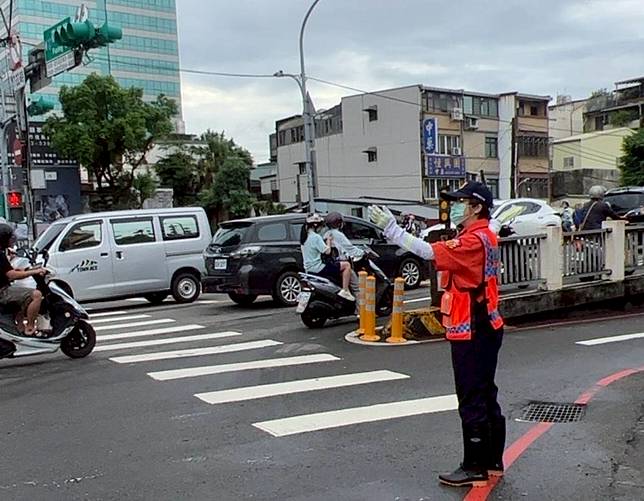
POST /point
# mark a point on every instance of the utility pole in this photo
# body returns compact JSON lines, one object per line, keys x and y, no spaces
{"x":515,"y":157}
{"x":309,"y":125}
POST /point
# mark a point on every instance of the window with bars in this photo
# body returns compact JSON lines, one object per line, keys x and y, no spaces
{"x":533,"y":146}
{"x":447,"y":144}
{"x":569,"y":162}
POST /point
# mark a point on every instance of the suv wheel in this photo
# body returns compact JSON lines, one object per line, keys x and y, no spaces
{"x":185,"y":288}
{"x":410,"y":271}
{"x":287,"y":288}
{"x":242,"y":299}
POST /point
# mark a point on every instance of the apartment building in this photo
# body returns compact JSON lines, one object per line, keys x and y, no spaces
{"x":410,"y":142}
{"x":624,"y":107}
{"x":567,"y":117}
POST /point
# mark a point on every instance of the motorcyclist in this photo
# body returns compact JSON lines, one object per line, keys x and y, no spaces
{"x":28,"y":300}
{"x":594,"y":212}
{"x":335,"y":222}
{"x":313,"y":247}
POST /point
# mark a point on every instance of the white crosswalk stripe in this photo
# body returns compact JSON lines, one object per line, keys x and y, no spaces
{"x":266,"y":363}
{"x":367,"y":414}
{"x":150,"y":332}
{"x":160,"y":342}
{"x":156,"y":321}
{"x":133,"y":338}
{"x":108,"y":320}
{"x":108,"y":314}
{"x":304,"y":385}
{"x":611,"y":339}
{"x":195,"y":352}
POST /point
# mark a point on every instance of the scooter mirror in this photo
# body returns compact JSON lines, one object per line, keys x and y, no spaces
{"x":22,"y":252}
{"x":45,"y":255}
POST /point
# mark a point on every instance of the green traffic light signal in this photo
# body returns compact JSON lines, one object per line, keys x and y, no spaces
{"x":40,"y":106}
{"x":107,"y":34}
{"x":74,"y":34}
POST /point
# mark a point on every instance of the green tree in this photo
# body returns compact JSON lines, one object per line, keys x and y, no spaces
{"x":109,"y":130}
{"x":178,"y":171}
{"x":229,"y":196}
{"x":632,"y":161}
{"x":622,"y":118}
{"x":217,"y":150}
{"x":144,"y":186}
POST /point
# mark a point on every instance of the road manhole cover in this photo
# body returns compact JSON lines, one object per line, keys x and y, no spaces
{"x":552,"y":412}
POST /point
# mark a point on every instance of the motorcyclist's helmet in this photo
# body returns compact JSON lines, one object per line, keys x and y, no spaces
{"x":334,"y":220}
{"x":314,"y":219}
{"x":597,"y":192}
{"x":7,"y":236}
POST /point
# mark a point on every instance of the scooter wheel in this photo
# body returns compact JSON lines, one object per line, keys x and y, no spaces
{"x":313,"y":320}
{"x":80,"y":342}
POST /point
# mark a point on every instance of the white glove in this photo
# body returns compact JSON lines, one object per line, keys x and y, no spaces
{"x":380,"y":216}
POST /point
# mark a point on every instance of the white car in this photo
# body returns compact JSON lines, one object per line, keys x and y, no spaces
{"x":526,"y":216}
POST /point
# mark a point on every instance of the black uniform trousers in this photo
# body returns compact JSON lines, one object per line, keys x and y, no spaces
{"x":474,"y":363}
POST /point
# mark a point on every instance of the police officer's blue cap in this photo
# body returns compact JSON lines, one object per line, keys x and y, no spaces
{"x":473,"y":190}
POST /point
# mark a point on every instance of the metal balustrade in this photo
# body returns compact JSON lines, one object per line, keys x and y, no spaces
{"x":634,"y":249}
{"x":584,"y":255}
{"x":520,"y":259}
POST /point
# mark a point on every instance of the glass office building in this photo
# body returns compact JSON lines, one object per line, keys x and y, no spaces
{"x":146,"y":57}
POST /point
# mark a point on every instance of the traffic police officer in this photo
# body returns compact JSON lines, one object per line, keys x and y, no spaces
{"x":469,"y":266}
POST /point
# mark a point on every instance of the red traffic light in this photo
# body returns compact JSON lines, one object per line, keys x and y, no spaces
{"x":14,"y":199}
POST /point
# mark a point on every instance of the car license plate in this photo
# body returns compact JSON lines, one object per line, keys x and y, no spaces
{"x":303,"y":300}
{"x":221,"y":264}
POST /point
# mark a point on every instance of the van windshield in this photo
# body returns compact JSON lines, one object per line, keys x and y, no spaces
{"x":230,"y":234}
{"x":45,"y":240}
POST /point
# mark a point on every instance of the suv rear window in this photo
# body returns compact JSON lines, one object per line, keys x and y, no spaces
{"x":230,"y":234}
{"x":623,"y":202}
{"x":273,"y":232}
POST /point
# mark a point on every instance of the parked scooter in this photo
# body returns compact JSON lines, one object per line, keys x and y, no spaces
{"x":319,"y":300}
{"x":62,"y":322}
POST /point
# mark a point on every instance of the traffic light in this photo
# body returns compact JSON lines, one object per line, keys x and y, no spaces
{"x":443,"y":212}
{"x":40,"y":106}
{"x":15,"y":205}
{"x":74,"y":34}
{"x":106,"y":34}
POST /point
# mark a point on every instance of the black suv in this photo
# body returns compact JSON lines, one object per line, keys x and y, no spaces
{"x":261,"y":255}
{"x":628,"y":201}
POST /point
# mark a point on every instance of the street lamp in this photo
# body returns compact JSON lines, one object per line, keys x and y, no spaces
{"x":307,"y":115}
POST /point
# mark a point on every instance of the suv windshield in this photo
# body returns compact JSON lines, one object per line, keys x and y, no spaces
{"x":624,"y":202}
{"x":47,"y":238}
{"x":230,"y":234}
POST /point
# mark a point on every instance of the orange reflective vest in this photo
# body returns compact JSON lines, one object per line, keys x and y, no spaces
{"x":457,"y":305}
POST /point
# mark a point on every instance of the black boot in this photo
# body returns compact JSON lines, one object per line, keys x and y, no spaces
{"x":497,"y":446}
{"x":472,"y":471}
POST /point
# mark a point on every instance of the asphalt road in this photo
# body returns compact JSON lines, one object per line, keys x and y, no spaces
{"x":164,"y":410}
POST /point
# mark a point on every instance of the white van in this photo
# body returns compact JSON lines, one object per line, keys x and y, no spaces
{"x":114,"y":255}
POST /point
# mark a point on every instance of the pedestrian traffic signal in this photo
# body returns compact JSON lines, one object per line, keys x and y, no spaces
{"x":40,"y":106}
{"x":15,"y":205}
{"x":14,"y":199}
{"x":74,"y":34}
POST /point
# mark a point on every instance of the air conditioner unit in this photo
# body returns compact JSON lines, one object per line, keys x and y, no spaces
{"x":456,"y":151}
{"x":457,"y":114}
{"x":472,"y":123}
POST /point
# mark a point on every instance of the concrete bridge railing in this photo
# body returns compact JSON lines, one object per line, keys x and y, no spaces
{"x":555,"y":260}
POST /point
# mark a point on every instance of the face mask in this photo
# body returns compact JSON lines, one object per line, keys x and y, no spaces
{"x":457,"y":213}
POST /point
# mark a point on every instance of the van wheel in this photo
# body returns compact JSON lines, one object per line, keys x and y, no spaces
{"x":410,"y":271}
{"x":242,"y":299}
{"x":156,"y":298}
{"x":287,"y":289}
{"x":185,"y":288}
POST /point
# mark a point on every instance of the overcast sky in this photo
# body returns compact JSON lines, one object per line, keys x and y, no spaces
{"x":539,"y":47}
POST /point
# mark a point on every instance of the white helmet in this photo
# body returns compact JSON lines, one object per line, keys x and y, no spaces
{"x":314,"y":219}
{"x":597,"y":192}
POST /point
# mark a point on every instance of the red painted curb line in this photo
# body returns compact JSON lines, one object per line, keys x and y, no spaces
{"x":514,"y":451}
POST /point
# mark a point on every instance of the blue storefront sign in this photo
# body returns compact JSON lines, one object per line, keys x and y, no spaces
{"x":444,"y":166}
{"x":430,"y":136}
